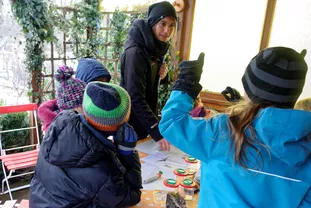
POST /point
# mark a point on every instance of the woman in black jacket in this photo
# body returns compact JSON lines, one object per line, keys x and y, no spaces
{"x":142,"y":67}
{"x":80,"y":165}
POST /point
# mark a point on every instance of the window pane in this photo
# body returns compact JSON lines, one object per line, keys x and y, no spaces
{"x":229,"y":33}
{"x":292,"y":28}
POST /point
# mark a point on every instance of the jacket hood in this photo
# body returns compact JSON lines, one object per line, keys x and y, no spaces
{"x":286,"y":132}
{"x":69,"y":143}
{"x":47,"y":111}
{"x":141,"y":35}
{"x":89,"y":69}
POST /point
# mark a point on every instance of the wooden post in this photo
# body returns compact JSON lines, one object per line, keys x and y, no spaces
{"x":184,"y":29}
{"x":36,"y":98}
{"x":266,"y":31}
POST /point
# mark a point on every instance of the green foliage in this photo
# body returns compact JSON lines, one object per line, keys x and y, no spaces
{"x":34,"y":18}
{"x":120,"y":23}
{"x":84,"y":29}
{"x":118,"y":33}
{"x":13,"y":121}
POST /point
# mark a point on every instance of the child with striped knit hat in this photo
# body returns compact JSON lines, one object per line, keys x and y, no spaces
{"x":88,"y":159}
{"x":69,"y":95}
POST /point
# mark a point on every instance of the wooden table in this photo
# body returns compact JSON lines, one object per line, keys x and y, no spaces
{"x":147,"y":199}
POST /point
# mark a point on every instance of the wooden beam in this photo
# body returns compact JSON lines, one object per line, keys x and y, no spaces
{"x":184,"y":30}
{"x":214,"y":100}
{"x":267,"y":26}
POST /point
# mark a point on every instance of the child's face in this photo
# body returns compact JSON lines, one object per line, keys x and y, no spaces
{"x":79,"y":109}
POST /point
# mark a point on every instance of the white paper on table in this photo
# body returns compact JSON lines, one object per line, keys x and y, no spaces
{"x":150,"y":159}
{"x":155,"y":157}
{"x":148,"y":170}
{"x":148,"y":147}
{"x":154,"y":163}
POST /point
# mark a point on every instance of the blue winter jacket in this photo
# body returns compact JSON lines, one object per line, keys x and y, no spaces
{"x":90,"y":69}
{"x":283,"y":180}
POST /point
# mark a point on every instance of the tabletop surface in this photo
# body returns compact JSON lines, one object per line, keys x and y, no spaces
{"x":147,"y":199}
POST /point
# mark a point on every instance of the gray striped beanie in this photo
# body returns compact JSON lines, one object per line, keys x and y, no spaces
{"x":276,"y":76}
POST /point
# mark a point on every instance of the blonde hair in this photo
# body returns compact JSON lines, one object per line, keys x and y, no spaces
{"x":304,"y":104}
{"x":240,"y":118}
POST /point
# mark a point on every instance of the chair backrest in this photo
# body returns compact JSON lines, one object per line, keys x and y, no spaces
{"x":32,"y":107}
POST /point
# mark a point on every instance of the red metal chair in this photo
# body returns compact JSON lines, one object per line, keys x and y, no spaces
{"x":15,"y":161}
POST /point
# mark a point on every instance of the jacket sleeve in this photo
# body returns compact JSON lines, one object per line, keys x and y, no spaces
{"x":46,"y":111}
{"x":123,"y":190}
{"x":136,"y":65}
{"x":306,"y":202}
{"x":133,"y":167}
{"x":195,"y":136}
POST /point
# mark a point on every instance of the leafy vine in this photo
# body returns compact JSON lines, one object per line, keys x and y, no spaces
{"x":34,"y":18}
{"x":84,"y":29}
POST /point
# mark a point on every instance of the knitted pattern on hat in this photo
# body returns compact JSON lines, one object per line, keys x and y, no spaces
{"x":276,"y":76}
{"x":70,"y":90}
{"x":106,"y":106}
{"x":159,"y":10}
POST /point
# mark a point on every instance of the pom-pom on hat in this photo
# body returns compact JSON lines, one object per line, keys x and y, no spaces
{"x":159,"y":10}
{"x":276,"y":76}
{"x":106,"y":106}
{"x":70,"y":90}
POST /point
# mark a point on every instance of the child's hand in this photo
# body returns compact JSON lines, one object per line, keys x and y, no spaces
{"x":126,"y":139}
{"x":163,"y":71}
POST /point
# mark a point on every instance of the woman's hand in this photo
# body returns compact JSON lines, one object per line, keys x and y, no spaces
{"x":164,"y":144}
{"x":163,"y":71}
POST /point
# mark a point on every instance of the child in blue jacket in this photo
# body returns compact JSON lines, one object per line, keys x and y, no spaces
{"x":257,"y":155}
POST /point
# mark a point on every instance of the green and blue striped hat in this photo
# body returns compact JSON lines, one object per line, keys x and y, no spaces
{"x":106,"y":106}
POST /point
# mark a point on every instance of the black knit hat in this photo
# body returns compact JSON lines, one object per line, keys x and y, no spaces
{"x":276,"y":76}
{"x":158,"y":11}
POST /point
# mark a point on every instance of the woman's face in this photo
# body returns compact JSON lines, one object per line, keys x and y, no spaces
{"x":164,"y":29}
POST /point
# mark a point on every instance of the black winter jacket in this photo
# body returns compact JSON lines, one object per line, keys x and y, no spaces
{"x":140,"y":63}
{"x":75,"y":169}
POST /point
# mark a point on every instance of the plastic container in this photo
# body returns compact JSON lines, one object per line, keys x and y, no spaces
{"x":187,"y":189}
{"x":192,"y":165}
{"x":180,"y":174}
{"x":169,"y":185}
{"x":159,"y":194}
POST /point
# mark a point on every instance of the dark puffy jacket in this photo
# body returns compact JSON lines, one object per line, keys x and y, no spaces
{"x":90,"y":69}
{"x":75,"y":169}
{"x":140,"y":63}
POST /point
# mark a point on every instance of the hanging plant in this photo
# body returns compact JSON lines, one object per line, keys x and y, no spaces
{"x":84,"y":29}
{"x":33,"y":17}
